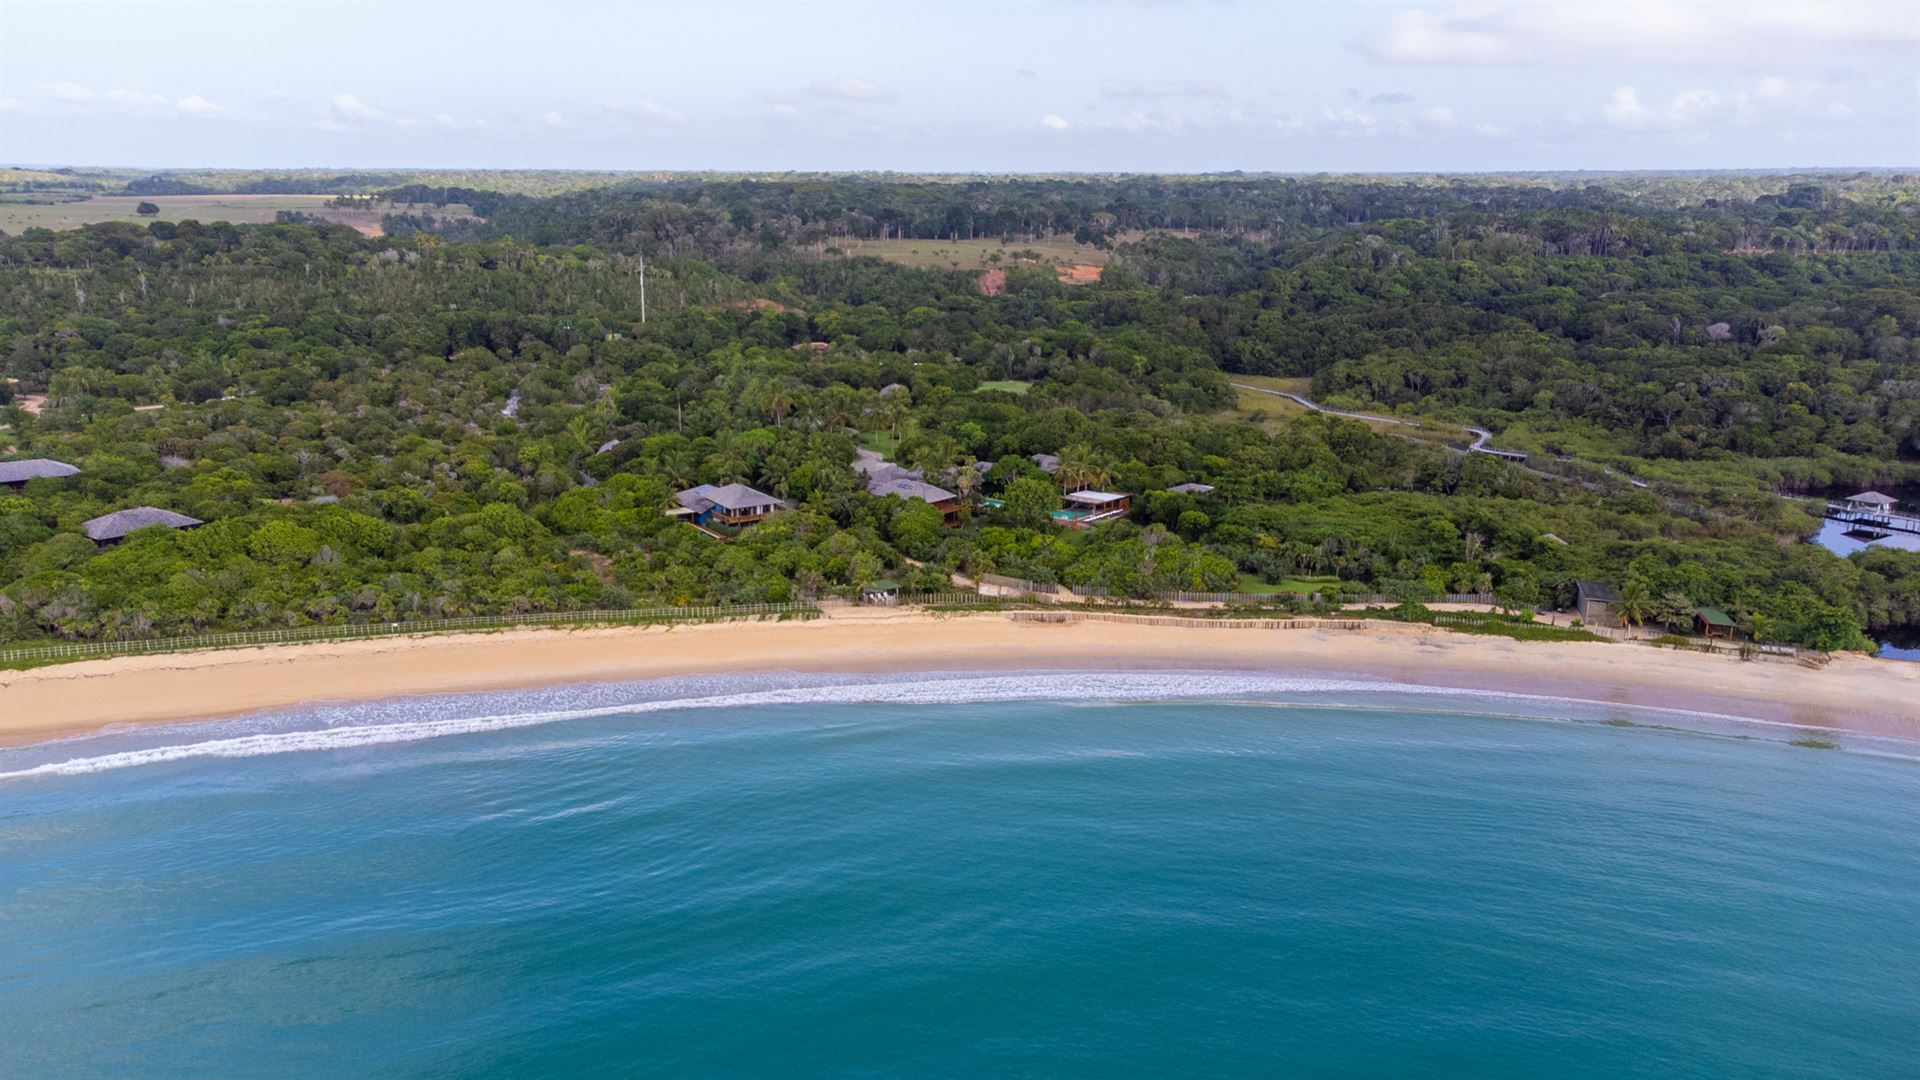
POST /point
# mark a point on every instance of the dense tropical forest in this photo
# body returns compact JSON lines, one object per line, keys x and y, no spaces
{"x":490,"y":412}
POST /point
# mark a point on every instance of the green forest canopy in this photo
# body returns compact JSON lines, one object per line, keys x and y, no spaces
{"x":336,"y":406}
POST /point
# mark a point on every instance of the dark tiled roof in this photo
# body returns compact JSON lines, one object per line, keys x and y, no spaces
{"x":121,"y":522}
{"x":18,"y":472}
{"x":911,"y":489}
{"x":1597,"y":590}
{"x":726,"y":497}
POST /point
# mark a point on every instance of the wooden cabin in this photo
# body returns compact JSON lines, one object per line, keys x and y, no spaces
{"x":1597,"y":603}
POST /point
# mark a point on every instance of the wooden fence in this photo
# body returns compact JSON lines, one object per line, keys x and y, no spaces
{"x":79,"y":650}
{"x":82,"y":650}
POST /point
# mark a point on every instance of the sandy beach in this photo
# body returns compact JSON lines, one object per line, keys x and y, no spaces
{"x":1852,"y":693}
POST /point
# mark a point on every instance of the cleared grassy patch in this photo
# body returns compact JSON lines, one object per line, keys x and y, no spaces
{"x":1304,"y":586}
{"x":1277,"y":382}
{"x":17,"y":216}
{"x":977,"y":254}
{"x":883,"y":442}
{"x":1007,"y":386}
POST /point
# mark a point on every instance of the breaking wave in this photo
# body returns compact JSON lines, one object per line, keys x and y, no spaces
{"x":1089,"y":687}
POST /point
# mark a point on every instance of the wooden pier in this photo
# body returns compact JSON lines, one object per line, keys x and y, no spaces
{"x":1882,"y":521}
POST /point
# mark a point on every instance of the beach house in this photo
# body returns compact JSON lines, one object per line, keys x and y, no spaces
{"x":1597,"y":603}
{"x":15,"y":474}
{"x":1084,"y":509}
{"x":942,"y":500}
{"x":112,"y":528}
{"x":887,"y":480}
{"x":728,"y":504}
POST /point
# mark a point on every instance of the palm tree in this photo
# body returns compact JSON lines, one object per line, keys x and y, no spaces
{"x":1635,"y":602}
{"x":1759,"y":627}
{"x":779,"y":402}
{"x":966,"y":480}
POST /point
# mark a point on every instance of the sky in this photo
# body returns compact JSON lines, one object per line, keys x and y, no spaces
{"x":1062,"y":86}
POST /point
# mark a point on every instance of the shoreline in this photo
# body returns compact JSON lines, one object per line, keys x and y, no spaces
{"x":1853,"y":694}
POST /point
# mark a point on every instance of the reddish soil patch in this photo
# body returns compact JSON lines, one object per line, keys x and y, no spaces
{"x":32,"y":403}
{"x":1078,"y":273}
{"x":993,"y":282}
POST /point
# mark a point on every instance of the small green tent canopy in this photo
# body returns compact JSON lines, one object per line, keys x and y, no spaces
{"x":884,"y":585}
{"x":1716,"y":617}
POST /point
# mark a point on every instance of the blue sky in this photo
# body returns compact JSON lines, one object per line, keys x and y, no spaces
{"x":1058,"y":86}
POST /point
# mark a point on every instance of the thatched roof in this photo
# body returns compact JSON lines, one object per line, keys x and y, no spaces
{"x":19,"y":472}
{"x":121,"y":522}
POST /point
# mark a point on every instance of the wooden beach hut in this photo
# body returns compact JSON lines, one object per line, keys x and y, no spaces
{"x":1597,"y":603}
{"x":1712,"y":623}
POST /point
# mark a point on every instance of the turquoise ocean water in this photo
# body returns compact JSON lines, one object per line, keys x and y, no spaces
{"x":1165,"y":875}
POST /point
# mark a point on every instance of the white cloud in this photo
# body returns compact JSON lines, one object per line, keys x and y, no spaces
{"x":12,"y":104}
{"x":1437,"y":115}
{"x":1772,"y":100}
{"x":553,"y":119}
{"x":646,"y":112}
{"x":1693,"y":32}
{"x":858,"y":91}
{"x":347,"y":112}
{"x":1346,"y":122}
{"x":1054,"y":122}
{"x":74,"y":98}
{"x":1162,"y":90}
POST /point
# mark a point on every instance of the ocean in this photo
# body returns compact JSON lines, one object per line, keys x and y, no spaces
{"x":1051,"y":874}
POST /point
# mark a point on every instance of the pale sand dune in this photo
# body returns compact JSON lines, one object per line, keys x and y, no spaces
{"x":1853,"y":692}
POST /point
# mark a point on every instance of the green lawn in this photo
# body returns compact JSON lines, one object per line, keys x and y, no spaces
{"x":1251,"y":583}
{"x":1010,"y":386}
{"x":883,"y":441}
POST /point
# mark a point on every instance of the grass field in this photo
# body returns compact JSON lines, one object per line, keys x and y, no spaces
{"x":1299,"y":386}
{"x":1008,"y":386}
{"x":1278,"y":410}
{"x":977,"y":254}
{"x":17,"y":217}
{"x":1250,"y":583}
{"x":884,"y":442}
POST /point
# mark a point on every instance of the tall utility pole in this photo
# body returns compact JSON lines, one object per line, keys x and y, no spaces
{"x":643,"y":284}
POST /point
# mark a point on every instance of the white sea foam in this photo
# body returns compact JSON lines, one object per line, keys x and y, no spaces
{"x":1037,"y":686}
{"x":1076,"y":687}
